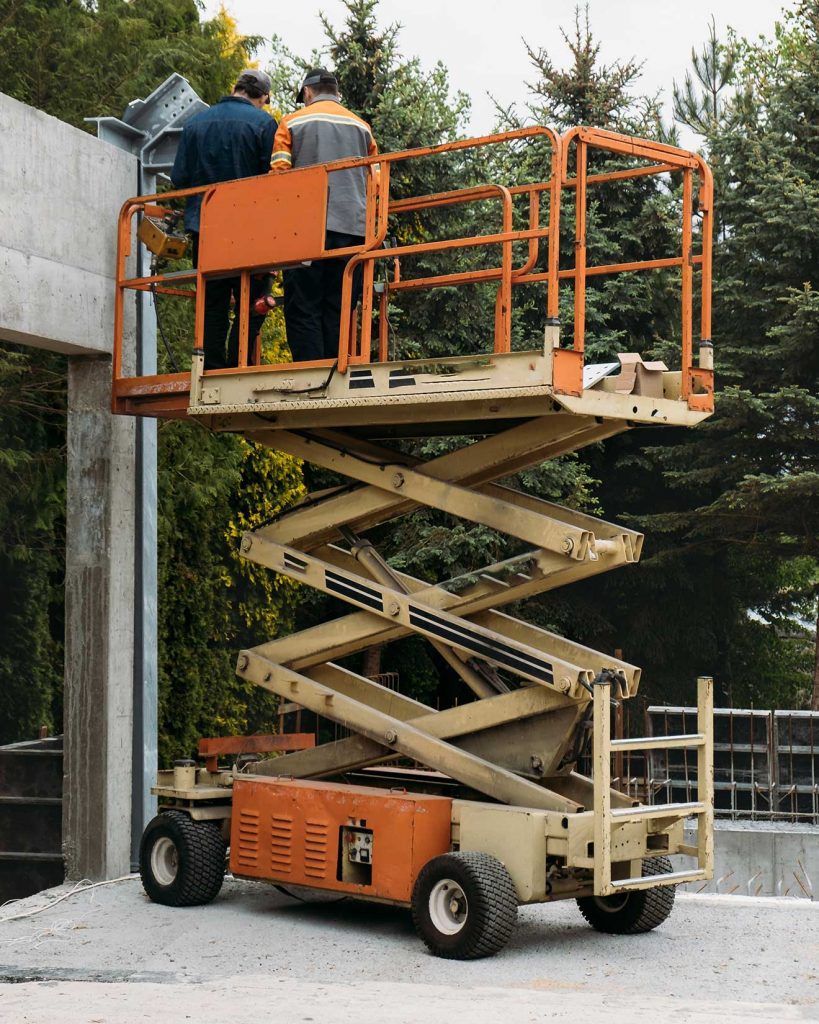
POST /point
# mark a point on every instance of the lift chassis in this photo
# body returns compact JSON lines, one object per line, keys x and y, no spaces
{"x":465,"y":813}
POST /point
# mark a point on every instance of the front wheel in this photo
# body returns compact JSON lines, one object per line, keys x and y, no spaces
{"x":181,"y":861}
{"x":630,"y":913}
{"x":464,"y":905}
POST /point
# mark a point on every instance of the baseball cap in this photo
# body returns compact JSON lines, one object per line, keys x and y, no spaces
{"x":314,"y":77}
{"x":258,"y":78}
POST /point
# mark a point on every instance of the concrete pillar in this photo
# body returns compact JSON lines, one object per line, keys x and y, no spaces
{"x":99,"y":627}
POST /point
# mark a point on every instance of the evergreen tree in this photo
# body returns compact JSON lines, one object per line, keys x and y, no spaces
{"x":746,"y":487}
{"x":628,"y":220}
{"x":73,"y":59}
{"x":409,"y":107}
{"x":79,"y":58}
{"x":32,"y":541}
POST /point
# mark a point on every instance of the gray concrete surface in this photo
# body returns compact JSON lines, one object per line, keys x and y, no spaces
{"x":109,"y":955}
{"x":60,"y":196}
{"x":758,"y":858}
{"x":99,"y":627}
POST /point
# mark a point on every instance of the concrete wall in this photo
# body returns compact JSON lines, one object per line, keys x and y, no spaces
{"x":764,"y":859}
{"x":60,"y":192}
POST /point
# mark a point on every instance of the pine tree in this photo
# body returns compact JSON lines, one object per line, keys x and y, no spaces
{"x":32,"y":541}
{"x":628,"y":221}
{"x":79,"y":58}
{"x":744,"y":488}
{"x":73,"y":59}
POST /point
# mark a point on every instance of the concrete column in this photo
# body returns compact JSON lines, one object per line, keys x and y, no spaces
{"x":99,"y":627}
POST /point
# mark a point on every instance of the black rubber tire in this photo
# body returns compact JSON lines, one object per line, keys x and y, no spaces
{"x":199,"y":854}
{"x":492,"y":905}
{"x":633,"y":912}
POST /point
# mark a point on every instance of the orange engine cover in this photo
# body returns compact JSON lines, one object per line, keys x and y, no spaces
{"x":355,"y":839}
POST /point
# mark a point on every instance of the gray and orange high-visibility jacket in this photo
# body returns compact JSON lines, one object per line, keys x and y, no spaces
{"x":321,"y":132}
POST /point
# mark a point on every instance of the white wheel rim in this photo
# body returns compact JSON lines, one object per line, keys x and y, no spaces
{"x":164,"y":861}
{"x":448,"y":907}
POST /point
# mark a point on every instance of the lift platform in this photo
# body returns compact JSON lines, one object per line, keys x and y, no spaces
{"x":495,"y":812}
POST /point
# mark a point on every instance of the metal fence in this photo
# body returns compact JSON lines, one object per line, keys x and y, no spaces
{"x":766,"y":763}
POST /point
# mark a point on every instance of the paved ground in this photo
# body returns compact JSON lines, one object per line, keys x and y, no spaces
{"x":109,"y":956}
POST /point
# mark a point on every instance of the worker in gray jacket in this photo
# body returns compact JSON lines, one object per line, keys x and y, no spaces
{"x":321,"y":132}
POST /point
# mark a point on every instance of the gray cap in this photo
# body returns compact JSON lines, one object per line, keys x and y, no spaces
{"x":257,"y":78}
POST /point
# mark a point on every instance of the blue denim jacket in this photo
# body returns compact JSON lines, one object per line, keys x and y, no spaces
{"x":232,"y":139}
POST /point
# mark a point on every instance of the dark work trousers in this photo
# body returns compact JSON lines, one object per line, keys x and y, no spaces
{"x":218,"y":294}
{"x":312,"y":301}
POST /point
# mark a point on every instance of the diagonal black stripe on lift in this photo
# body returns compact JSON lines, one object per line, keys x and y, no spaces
{"x":510,"y":654}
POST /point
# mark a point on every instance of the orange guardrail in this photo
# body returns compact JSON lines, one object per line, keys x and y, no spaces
{"x":274,"y":221}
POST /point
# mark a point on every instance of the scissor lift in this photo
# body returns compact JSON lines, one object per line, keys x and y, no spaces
{"x":497,"y":814}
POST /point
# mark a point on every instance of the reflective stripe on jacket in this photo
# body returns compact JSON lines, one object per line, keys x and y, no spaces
{"x":321,"y":132}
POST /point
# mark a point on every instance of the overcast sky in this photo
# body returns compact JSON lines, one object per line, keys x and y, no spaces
{"x":479,"y":41}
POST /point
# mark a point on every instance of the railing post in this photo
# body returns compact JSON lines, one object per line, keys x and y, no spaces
{"x":580,"y":249}
{"x":705,"y":773}
{"x":244,"y":318}
{"x":706,"y":197}
{"x":367,"y":311}
{"x":123,"y":249}
{"x":601,"y":748}
{"x":553,"y":255}
{"x":687,"y":271}
{"x":345,"y":329}
{"x":199,"y":321}
{"x":505,"y":290}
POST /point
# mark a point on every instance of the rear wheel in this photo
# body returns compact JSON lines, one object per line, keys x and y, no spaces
{"x":181,"y":861}
{"x":464,"y":905}
{"x":629,"y":913}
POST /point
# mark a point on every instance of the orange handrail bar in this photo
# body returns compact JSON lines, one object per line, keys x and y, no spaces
{"x":383,"y":161}
{"x":354,"y":346}
{"x":665,"y":159}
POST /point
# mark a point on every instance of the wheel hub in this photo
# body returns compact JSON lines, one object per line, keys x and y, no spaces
{"x":164,"y":861}
{"x":448,"y":906}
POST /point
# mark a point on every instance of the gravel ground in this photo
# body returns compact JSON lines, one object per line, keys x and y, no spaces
{"x":109,"y":955}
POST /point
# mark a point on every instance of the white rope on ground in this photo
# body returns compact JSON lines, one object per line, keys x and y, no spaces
{"x":78,"y":888}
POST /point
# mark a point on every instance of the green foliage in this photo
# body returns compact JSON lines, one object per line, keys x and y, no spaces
{"x":729,"y":578}
{"x":588,"y":92}
{"x":213,"y":487}
{"x":77,"y":58}
{"x":699,"y":103}
{"x":74,"y":59}
{"x":32,"y":540}
{"x":742,"y":509}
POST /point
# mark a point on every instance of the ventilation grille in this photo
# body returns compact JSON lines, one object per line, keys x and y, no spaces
{"x":281,"y":844}
{"x":316,"y":841}
{"x":248,"y":855}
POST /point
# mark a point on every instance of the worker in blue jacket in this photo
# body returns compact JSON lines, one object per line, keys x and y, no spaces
{"x":232,"y":139}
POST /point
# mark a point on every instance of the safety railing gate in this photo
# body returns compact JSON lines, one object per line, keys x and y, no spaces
{"x":608,"y":820}
{"x":269,"y":223}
